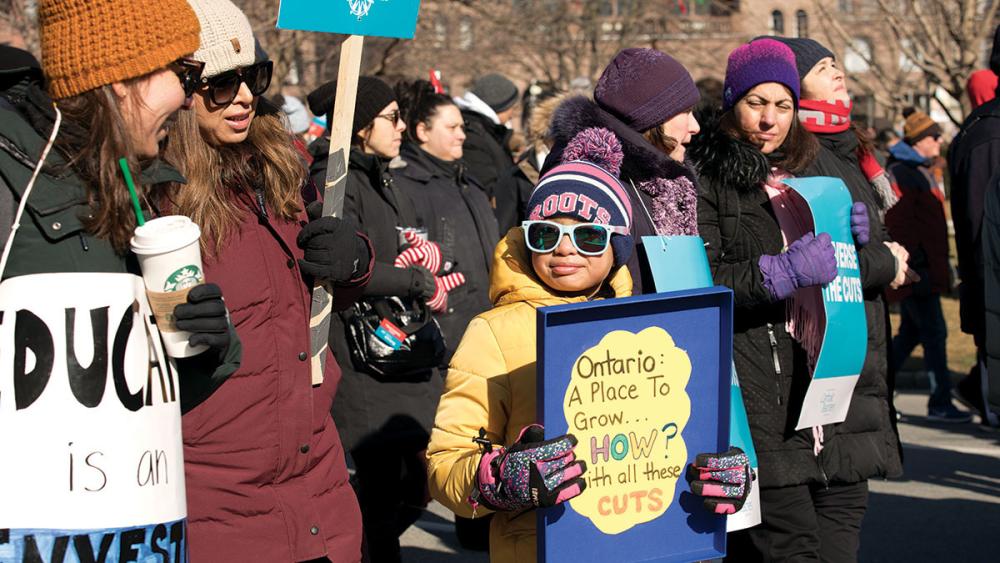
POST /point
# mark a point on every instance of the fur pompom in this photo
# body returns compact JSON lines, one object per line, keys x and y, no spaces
{"x":596,"y":145}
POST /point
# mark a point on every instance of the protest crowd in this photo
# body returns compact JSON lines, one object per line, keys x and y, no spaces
{"x":450,"y":240}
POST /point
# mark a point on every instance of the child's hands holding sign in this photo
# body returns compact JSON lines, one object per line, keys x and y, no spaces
{"x":532,"y":472}
{"x":724,"y":479}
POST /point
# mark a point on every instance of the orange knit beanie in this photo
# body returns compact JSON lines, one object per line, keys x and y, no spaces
{"x":91,"y":43}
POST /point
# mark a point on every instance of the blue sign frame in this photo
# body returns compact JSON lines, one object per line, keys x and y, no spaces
{"x":700,"y":322}
{"x":382,"y":18}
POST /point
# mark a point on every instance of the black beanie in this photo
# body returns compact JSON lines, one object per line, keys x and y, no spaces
{"x":807,"y":51}
{"x":373,"y":96}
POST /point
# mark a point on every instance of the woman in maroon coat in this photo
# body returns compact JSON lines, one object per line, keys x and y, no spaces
{"x":265,"y":470}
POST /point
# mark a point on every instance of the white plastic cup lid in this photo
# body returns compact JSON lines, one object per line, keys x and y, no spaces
{"x":164,"y":234}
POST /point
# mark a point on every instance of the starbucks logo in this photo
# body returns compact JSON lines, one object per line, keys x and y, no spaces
{"x":183,"y":278}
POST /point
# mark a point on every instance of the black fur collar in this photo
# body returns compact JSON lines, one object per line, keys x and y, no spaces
{"x":723,"y":161}
{"x":642,"y":162}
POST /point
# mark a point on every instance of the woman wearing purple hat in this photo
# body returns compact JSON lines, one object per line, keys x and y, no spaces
{"x":647,"y":99}
{"x":742,"y":155}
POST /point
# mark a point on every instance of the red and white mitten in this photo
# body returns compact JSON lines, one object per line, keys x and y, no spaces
{"x":443,"y":284}
{"x":421,"y":252}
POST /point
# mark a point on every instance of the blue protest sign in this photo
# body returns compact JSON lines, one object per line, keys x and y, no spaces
{"x":679,"y":263}
{"x":644,"y":385}
{"x":383,"y":18}
{"x":843,"y":325}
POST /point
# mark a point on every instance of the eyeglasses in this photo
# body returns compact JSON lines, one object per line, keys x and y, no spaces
{"x":393,"y":117}
{"x":589,"y":239}
{"x":188,"y":71}
{"x":223,"y":88}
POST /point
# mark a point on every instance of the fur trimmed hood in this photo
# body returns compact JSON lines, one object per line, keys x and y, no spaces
{"x":724,"y":161}
{"x":643,"y":162}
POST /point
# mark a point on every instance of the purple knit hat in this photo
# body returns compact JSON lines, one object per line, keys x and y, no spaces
{"x":757,"y":62}
{"x":644,"y":88}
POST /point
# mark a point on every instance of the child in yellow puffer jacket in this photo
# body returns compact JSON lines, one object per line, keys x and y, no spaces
{"x":571,"y":250}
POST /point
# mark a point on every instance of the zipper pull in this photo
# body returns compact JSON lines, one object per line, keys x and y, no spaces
{"x":483,"y":441}
{"x":262,"y":213}
{"x":774,"y":357}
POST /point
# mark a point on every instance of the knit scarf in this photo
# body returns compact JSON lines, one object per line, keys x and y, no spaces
{"x":826,"y":117}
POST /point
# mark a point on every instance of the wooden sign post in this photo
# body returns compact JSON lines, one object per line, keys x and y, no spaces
{"x":357,"y":18}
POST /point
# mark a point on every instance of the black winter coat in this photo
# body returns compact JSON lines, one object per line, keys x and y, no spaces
{"x":643,"y":162}
{"x":368,"y":412}
{"x":457,"y":214}
{"x":485,"y":151}
{"x":867,"y":440}
{"x":771,"y":365}
{"x":974,"y":157}
{"x":991,"y":259}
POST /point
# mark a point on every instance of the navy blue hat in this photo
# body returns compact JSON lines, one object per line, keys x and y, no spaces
{"x":586,"y":187}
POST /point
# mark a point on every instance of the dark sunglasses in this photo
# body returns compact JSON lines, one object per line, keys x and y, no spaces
{"x":223,"y":88}
{"x":589,"y":239}
{"x":188,"y":71}
{"x":393,"y":116}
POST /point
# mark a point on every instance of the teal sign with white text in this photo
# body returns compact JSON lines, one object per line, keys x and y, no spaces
{"x":382,"y":18}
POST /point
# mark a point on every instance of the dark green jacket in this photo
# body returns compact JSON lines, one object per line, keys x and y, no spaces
{"x":51,"y":237}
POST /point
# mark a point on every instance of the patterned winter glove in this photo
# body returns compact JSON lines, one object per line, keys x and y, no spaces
{"x":723,"y":479}
{"x":442,"y":285}
{"x":860,"y":227}
{"x":808,"y":261}
{"x":205,"y":317}
{"x":530,"y":473}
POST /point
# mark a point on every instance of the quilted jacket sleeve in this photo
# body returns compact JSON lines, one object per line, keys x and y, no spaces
{"x":477,"y":395}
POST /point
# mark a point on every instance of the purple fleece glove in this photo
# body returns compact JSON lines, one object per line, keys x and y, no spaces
{"x":724,"y":479}
{"x":808,"y":261}
{"x":860,"y":227}
{"x":530,"y":473}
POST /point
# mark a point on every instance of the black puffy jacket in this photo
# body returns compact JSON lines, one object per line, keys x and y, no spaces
{"x":457,"y":214}
{"x":771,"y":365}
{"x":369,"y":412}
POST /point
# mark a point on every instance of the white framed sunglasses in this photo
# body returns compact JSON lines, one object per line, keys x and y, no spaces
{"x":589,"y":239}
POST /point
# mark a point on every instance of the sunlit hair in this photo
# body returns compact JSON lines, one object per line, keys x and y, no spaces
{"x":661,"y":140}
{"x":215,"y":174}
{"x":795,"y":154}
{"x":94,"y":136}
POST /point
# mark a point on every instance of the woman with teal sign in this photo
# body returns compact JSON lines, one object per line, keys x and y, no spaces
{"x":742,"y":155}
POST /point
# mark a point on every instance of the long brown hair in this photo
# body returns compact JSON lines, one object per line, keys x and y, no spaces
{"x":267,"y":158}
{"x":92,"y":140}
{"x":795,"y":154}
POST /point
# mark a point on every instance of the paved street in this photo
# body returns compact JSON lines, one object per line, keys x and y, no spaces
{"x":946,"y":507}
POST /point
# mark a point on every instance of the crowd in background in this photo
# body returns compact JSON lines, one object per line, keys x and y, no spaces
{"x":447,"y":222}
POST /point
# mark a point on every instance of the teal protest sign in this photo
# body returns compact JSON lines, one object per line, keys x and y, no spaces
{"x":842,"y":328}
{"x":678,"y":263}
{"x":383,"y":18}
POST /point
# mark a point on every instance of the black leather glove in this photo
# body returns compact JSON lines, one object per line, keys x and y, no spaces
{"x":421,"y":283}
{"x":333,"y":250}
{"x":204,"y":316}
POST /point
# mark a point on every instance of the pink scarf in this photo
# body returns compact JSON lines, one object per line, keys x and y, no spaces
{"x":805,"y":315}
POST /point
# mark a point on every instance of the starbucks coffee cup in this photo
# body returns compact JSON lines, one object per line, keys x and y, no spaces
{"x":170,"y":259}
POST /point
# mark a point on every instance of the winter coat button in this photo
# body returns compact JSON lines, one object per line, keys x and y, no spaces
{"x":303,"y":356}
{"x":291,"y":263}
{"x":314,"y":530}
{"x":56,"y":226}
{"x":304,"y":449}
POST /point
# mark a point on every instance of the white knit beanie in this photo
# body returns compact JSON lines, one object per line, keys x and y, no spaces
{"x":227,"y":40}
